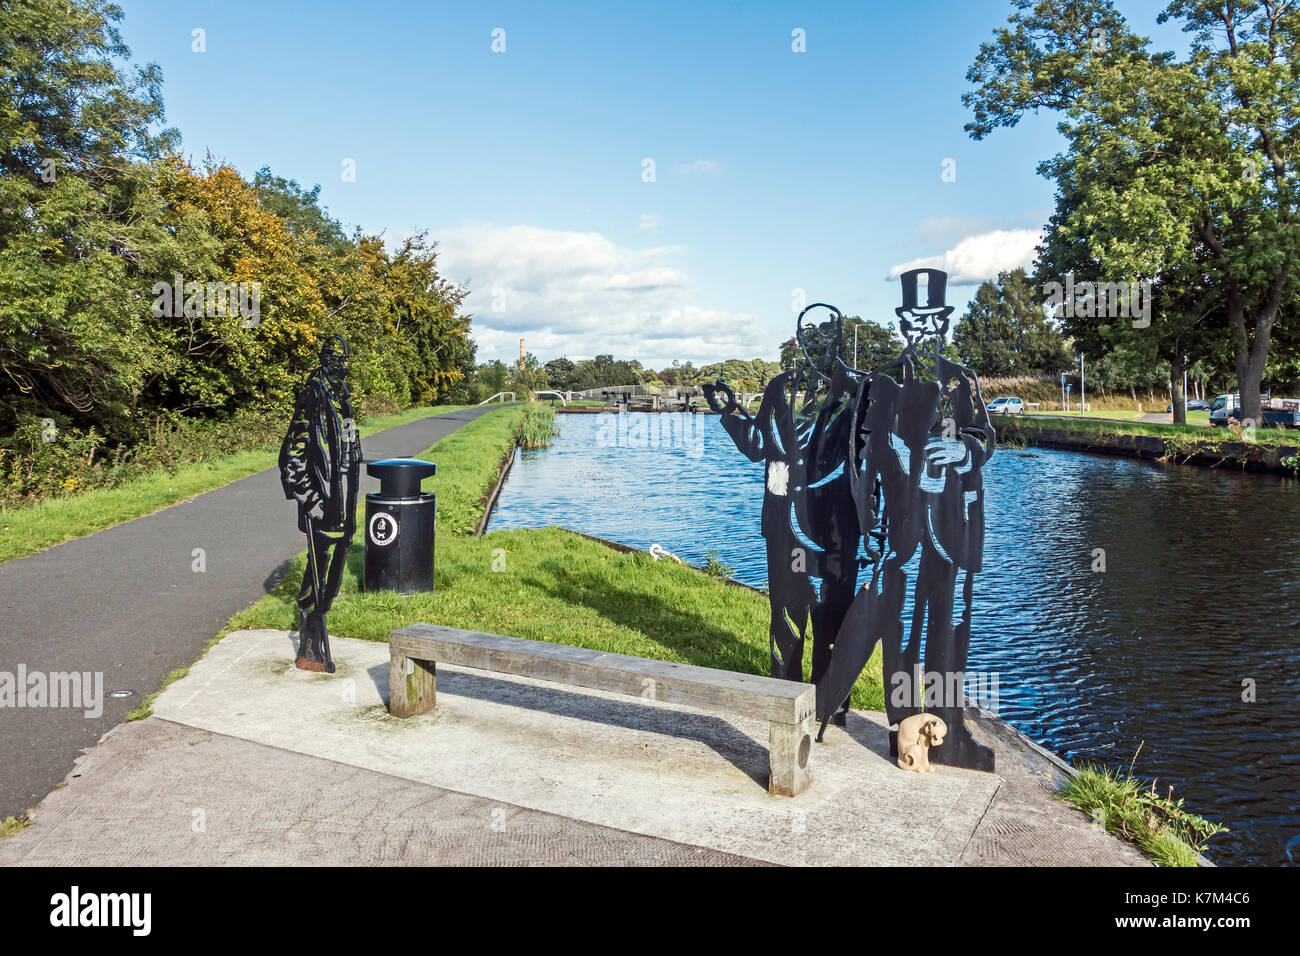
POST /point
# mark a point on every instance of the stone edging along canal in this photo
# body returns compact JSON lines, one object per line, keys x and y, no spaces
{"x":1238,"y":455}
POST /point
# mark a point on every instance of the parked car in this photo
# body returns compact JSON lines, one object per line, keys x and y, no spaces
{"x":1193,"y":405}
{"x":1273,"y":411}
{"x":1006,"y":406}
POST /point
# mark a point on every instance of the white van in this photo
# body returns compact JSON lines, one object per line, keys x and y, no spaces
{"x":1273,"y":411}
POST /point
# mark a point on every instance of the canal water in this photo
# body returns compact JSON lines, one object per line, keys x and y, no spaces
{"x":1196,"y":612}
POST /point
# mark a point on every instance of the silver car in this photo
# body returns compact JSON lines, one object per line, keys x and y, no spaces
{"x":1006,"y":406}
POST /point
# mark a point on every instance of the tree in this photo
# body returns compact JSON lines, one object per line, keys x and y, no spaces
{"x":1173,"y":167}
{"x":74,"y":128}
{"x":559,"y":372}
{"x":1005,"y":331}
{"x":493,"y":375}
{"x":299,"y":208}
{"x":527,"y":374}
{"x":876,"y":344}
{"x":65,"y":95}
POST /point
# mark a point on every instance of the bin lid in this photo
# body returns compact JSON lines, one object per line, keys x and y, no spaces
{"x":401,"y":477}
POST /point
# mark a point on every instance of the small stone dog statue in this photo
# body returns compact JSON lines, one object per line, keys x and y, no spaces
{"x":916,"y":735}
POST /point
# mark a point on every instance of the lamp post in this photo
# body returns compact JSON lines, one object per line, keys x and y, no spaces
{"x":1083,"y":388}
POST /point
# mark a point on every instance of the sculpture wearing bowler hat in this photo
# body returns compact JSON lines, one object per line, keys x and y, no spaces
{"x":320,"y":467}
{"x":920,"y":437}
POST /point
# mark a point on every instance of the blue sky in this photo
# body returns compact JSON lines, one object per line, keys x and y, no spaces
{"x":774,"y":171}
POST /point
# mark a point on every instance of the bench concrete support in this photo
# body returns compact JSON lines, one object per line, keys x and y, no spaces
{"x":788,"y":706}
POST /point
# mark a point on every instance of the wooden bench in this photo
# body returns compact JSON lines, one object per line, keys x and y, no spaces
{"x":788,"y":706}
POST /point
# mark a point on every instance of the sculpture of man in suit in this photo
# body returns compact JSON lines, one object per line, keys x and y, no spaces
{"x":801,"y":431}
{"x":918,"y":446}
{"x":320,"y":467}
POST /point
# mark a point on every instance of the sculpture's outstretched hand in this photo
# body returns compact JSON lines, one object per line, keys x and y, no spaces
{"x":711,"y":396}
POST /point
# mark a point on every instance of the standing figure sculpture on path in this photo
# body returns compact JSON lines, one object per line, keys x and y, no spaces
{"x":320,"y":468}
{"x":802,"y":431}
{"x":917,"y":450}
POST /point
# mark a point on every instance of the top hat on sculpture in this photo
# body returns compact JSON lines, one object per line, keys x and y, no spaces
{"x":918,"y":320}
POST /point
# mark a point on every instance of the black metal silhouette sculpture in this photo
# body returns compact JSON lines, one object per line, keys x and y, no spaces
{"x":320,"y":468}
{"x":916,"y":454}
{"x":809,"y":522}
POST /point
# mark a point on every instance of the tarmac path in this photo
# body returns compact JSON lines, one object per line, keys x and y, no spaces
{"x":127,"y":602}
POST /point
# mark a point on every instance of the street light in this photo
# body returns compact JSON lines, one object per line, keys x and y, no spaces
{"x":1083,"y":388}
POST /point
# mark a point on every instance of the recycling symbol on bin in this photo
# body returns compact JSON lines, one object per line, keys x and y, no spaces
{"x":383,"y":528}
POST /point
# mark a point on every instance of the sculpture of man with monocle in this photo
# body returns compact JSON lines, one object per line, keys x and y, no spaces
{"x":801,"y":431}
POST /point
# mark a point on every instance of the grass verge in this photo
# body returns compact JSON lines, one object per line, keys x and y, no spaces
{"x":547,"y":584}
{"x":11,"y":825}
{"x":1122,"y":414}
{"x":1206,"y":436}
{"x":1159,"y":825}
{"x":146,"y":705}
{"x":34,"y":527}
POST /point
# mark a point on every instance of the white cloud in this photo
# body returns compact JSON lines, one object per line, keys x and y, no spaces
{"x":578,"y":293}
{"x":700,"y":166}
{"x":647,"y":223}
{"x":982,"y":257}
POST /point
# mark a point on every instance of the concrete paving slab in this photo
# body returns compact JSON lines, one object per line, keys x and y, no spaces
{"x":154,"y":793}
{"x":250,"y":761}
{"x":632,"y":765}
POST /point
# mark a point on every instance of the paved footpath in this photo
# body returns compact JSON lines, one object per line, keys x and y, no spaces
{"x":126,"y":602}
{"x":250,"y":761}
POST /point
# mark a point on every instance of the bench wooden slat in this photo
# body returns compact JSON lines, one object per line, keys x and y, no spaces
{"x":749,"y":695}
{"x":788,"y":706}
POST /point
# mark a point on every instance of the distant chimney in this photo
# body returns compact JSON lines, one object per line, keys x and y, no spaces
{"x":521,"y":353}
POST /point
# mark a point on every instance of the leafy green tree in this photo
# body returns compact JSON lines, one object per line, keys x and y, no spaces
{"x":559,"y":372}
{"x":1173,"y":167}
{"x":299,"y":208}
{"x":118,"y":260}
{"x":66,"y":97}
{"x":876,"y":344}
{"x":527,"y":375}
{"x":493,"y":375}
{"x":1005,"y":331}
{"x":74,"y":123}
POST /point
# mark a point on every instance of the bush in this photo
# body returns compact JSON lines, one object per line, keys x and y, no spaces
{"x":43,"y":460}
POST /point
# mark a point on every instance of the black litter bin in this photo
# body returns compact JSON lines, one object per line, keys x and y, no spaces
{"x":400,"y":526}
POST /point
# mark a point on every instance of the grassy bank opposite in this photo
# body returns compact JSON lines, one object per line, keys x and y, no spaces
{"x":1266,"y":449}
{"x":30,"y":528}
{"x":547,"y":584}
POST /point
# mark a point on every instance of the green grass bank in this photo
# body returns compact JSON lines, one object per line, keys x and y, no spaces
{"x":1275,"y":450}
{"x":547,"y":584}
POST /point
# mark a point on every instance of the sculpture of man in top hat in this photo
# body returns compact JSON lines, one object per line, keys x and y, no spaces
{"x":801,"y":431}
{"x":320,"y":467}
{"x":921,"y":436}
